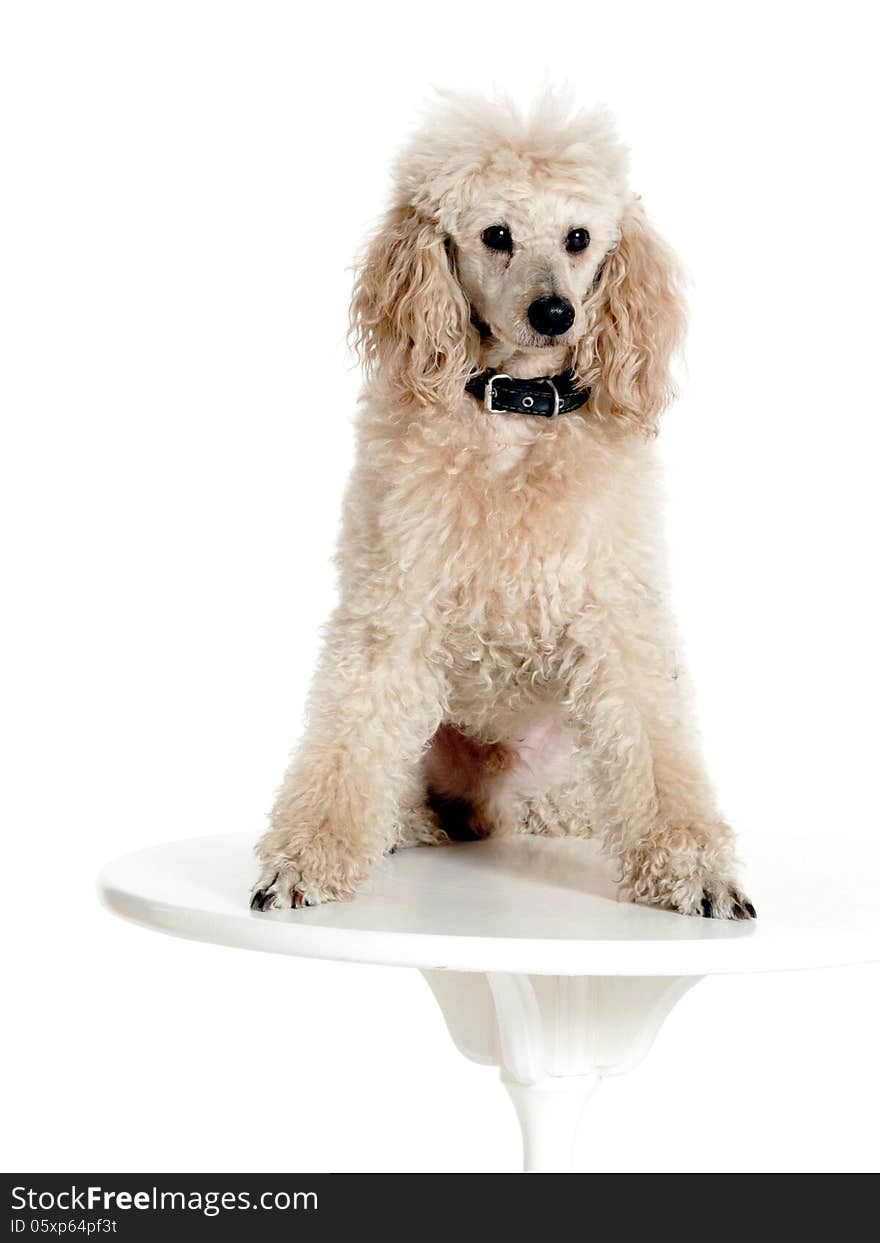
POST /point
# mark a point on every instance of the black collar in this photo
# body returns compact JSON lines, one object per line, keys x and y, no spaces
{"x":545,"y":395}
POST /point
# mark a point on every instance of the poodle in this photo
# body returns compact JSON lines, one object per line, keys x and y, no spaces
{"x":501,"y":659}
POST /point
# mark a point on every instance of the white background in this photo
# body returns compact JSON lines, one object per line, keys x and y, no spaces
{"x":185,"y":186}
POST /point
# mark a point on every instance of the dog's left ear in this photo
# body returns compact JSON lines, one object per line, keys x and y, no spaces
{"x":409,"y":314}
{"x":638,"y":321}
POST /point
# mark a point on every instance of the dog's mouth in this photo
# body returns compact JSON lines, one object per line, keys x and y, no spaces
{"x":524,"y":337}
{"x":528,"y":339}
{"x":547,"y":343}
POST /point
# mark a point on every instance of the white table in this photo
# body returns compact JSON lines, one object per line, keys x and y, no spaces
{"x":538,"y":969}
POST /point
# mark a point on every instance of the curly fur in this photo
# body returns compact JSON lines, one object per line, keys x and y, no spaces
{"x":636,"y":324}
{"x":501,"y":656}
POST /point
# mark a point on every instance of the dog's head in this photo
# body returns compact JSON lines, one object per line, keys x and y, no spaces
{"x":517,"y":240}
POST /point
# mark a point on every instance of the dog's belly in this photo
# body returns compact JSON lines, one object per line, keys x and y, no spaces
{"x":504,"y":739}
{"x":476,"y":787}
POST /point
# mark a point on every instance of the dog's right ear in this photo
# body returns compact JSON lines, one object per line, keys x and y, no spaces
{"x":409,"y":315}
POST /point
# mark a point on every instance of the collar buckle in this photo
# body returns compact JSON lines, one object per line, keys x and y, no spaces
{"x":487,"y":395}
{"x":526,"y":401}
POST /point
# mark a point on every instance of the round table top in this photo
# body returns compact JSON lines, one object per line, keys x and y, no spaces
{"x":540,"y":906}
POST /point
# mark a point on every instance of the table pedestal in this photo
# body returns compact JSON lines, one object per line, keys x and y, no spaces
{"x":554,"y":1038}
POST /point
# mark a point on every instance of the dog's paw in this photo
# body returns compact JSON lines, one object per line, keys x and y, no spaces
{"x":282,"y":889}
{"x":716,"y":899}
{"x":687,"y":869}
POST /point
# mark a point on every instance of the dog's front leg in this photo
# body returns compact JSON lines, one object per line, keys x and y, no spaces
{"x":655,"y":806}
{"x":374,"y":704}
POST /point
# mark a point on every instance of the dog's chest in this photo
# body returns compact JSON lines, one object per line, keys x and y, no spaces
{"x":522,"y":527}
{"x":517,"y":562}
{"x":508,"y":442}
{"x":509,"y":531}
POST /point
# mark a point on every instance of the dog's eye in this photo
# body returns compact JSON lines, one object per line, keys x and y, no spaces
{"x":577,"y":240}
{"x":497,"y":237}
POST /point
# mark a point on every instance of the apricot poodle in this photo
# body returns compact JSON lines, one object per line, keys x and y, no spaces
{"x":502,"y":658}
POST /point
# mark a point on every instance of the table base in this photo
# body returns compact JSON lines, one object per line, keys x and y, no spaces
{"x":554,"y":1038}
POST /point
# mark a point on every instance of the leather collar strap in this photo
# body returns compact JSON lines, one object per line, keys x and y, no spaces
{"x":544,"y":395}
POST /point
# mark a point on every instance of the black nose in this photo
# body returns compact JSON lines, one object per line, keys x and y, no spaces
{"x":551,"y":316}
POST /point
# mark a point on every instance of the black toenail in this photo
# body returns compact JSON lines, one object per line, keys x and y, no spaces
{"x":708,"y":911}
{"x":309,"y":902}
{"x":257,"y":901}
{"x":751,"y":910}
{"x":738,"y":912}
